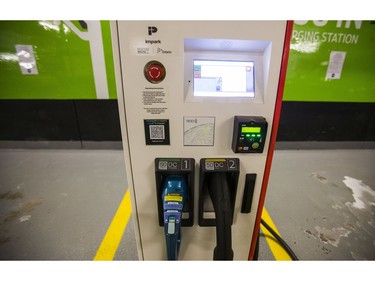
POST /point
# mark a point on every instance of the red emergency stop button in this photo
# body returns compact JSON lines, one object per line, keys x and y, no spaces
{"x":154,"y":71}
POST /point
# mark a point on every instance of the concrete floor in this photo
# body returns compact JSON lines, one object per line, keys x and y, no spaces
{"x":323,"y":202}
{"x":58,"y":204}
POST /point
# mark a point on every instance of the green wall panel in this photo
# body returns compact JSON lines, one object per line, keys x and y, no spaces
{"x":108,"y":53}
{"x":312,"y":43}
{"x":65,"y":67}
{"x":63,"y":59}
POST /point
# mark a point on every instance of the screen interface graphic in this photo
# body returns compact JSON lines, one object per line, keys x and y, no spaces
{"x":218,"y":78}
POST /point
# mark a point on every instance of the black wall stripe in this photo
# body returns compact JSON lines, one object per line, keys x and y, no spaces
{"x":59,"y":120}
{"x":98,"y":120}
{"x":327,"y":121}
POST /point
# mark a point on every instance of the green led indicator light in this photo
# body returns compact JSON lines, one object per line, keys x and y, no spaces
{"x":258,"y":135}
{"x":248,"y":135}
{"x":253,"y":135}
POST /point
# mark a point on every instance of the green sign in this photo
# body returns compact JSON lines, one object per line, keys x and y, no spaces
{"x":56,"y":60}
{"x":331,"y":61}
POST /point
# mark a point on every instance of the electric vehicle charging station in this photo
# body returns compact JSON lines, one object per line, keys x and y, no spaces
{"x":199,"y":104}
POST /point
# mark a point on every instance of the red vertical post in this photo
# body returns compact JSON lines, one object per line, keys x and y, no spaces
{"x":275,"y":125}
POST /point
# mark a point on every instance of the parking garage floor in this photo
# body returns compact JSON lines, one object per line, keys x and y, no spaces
{"x":58,"y":204}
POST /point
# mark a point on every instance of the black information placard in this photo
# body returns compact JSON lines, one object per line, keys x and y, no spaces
{"x":220,"y":164}
{"x":174,"y":164}
{"x":157,"y":131}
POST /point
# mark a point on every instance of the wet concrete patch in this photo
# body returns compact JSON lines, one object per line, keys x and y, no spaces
{"x":11,"y":195}
{"x":320,"y":177}
{"x":23,"y":210}
{"x":328,"y":236}
{"x":4,"y":239}
{"x":332,"y":236}
{"x":364,"y":196}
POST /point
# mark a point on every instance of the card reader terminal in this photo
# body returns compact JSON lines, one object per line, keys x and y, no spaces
{"x":249,"y":134}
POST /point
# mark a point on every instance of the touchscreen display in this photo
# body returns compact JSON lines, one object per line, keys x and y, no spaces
{"x":224,"y":78}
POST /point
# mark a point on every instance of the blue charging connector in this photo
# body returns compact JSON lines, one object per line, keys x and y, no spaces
{"x":174,"y":197}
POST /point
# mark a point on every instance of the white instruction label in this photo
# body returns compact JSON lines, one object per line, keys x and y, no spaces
{"x":199,"y":131}
{"x":155,"y":100}
{"x":26,"y":59}
{"x":335,"y":65}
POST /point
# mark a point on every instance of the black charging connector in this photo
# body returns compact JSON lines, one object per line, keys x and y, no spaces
{"x":217,"y":195}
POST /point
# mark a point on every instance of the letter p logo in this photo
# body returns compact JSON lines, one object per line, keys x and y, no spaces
{"x":152,"y":29}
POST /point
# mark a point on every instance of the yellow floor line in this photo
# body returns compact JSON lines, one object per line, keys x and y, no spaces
{"x":276,"y":249}
{"x":112,"y":238}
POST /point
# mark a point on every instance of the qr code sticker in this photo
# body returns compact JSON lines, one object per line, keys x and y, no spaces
{"x":157,"y":132}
